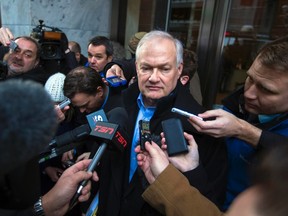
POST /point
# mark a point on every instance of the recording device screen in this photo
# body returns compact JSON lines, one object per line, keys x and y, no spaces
{"x":116,"y":81}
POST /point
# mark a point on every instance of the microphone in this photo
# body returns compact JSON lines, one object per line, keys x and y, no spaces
{"x":72,"y":136}
{"x":111,"y":133}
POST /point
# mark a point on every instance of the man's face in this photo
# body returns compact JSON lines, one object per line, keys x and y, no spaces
{"x":97,"y":57}
{"x":87,"y":103}
{"x":157,"y":70}
{"x":23,"y":59}
{"x":266,"y":90}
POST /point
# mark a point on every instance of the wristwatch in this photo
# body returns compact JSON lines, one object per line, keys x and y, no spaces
{"x":38,"y":208}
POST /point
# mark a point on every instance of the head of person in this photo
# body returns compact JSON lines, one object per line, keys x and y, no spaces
{"x":267,"y":80}
{"x":159,"y":64}
{"x":85,"y":88}
{"x":28,"y":122}
{"x":100,"y":52}
{"x":25,"y":57}
{"x":76,"y":49}
{"x":190,"y":64}
{"x":133,"y":43}
{"x":269,"y":194}
{"x":54,"y":86}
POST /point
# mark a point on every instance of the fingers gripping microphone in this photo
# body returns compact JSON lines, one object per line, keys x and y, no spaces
{"x":114,"y":138}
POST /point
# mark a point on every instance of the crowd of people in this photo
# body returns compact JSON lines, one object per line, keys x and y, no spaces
{"x":224,"y":148}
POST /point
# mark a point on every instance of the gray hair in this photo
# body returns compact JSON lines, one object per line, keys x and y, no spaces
{"x":165,"y":35}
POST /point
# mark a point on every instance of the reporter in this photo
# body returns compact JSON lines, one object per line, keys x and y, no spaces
{"x":171,"y":194}
{"x":254,"y":117}
{"x":28,"y":123}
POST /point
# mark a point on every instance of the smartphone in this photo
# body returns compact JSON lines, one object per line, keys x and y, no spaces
{"x":145,"y":135}
{"x":173,"y":132}
{"x":13,"y":45}
{"x":184,"y":113}
{"x":64,"y":103}
{"x":116,"y":81}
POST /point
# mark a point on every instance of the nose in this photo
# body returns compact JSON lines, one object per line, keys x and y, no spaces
{"x":93,"y":59}
{"x":18,"y":55}
{"x":250,"y":91}
{"x":154,"y":76}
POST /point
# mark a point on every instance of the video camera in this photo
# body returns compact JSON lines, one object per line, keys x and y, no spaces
{"x":49,"y":39}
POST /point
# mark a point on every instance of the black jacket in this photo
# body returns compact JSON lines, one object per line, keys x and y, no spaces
{"x":118,"y":197}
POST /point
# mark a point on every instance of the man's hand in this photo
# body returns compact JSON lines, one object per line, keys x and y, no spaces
{"x":186,"y":161}
{"x":226,"y":125}
{"x":152,"y":161}
{"x":56,"y":201}
{"x":54,"y":173}
{"x":115,"y":70}
{"x":60,"y":113}
{"x":5,"y":36}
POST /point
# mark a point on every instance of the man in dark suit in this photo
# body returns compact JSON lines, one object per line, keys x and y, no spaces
{"x":159,"y":65}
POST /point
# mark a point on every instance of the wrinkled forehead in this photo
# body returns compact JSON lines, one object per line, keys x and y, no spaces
{"x":25,"y":44}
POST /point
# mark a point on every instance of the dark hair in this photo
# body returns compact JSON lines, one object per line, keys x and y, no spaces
{"x":102,"y":40}
{"x":190,"y":63}
{"x":82,"y":80}
{"x":28,"y":122}
{"x":28,"y":38}
{"x":274,"y":54}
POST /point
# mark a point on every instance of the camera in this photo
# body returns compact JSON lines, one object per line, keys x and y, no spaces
{"x":49,"y":39}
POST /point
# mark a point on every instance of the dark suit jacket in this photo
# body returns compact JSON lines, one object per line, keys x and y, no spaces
{"x":119,"y":197}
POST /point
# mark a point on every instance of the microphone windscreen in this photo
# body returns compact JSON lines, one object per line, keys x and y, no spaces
{"x":118,"y":116}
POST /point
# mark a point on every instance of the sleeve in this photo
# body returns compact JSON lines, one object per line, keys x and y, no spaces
{"x":26,"y":212}
{"x":171,"y":194}
{"x":210,"y":177}
{"x":269,"y":139}
{"x":128,"y":67}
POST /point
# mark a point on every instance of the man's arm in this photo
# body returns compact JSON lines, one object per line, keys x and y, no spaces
{"x":170,"y":192}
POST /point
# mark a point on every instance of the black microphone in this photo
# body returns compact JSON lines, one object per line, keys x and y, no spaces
{"x":114,"y":137}
{"x":78,"y":132}
{"x":70,"y":136}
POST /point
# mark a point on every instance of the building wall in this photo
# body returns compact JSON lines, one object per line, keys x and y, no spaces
{"x":80,"y":20}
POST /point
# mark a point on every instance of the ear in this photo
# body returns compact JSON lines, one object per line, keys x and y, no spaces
{"x":100,"y":91}
{"x":36,"y":63}
{"x":110,"y":58}
{"x":184,"y":79}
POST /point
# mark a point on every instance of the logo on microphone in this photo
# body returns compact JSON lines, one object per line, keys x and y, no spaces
{"x":95,"y":117}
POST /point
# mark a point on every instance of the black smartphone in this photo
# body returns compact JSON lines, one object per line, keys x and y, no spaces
{"x":175,"y":140}
{"x":145,"y":135}
{"x":116,"y":81}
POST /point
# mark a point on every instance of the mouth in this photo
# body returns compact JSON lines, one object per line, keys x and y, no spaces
{"x":17,"y":64}
{"x":251,"y":106}
{"x":154,"y":88}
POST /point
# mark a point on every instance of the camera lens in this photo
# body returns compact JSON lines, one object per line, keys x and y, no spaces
{"x":49,"y":51}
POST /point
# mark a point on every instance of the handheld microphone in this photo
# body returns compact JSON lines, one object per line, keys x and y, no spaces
{"x":72,"y":136}
{"x":111,"y":133}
